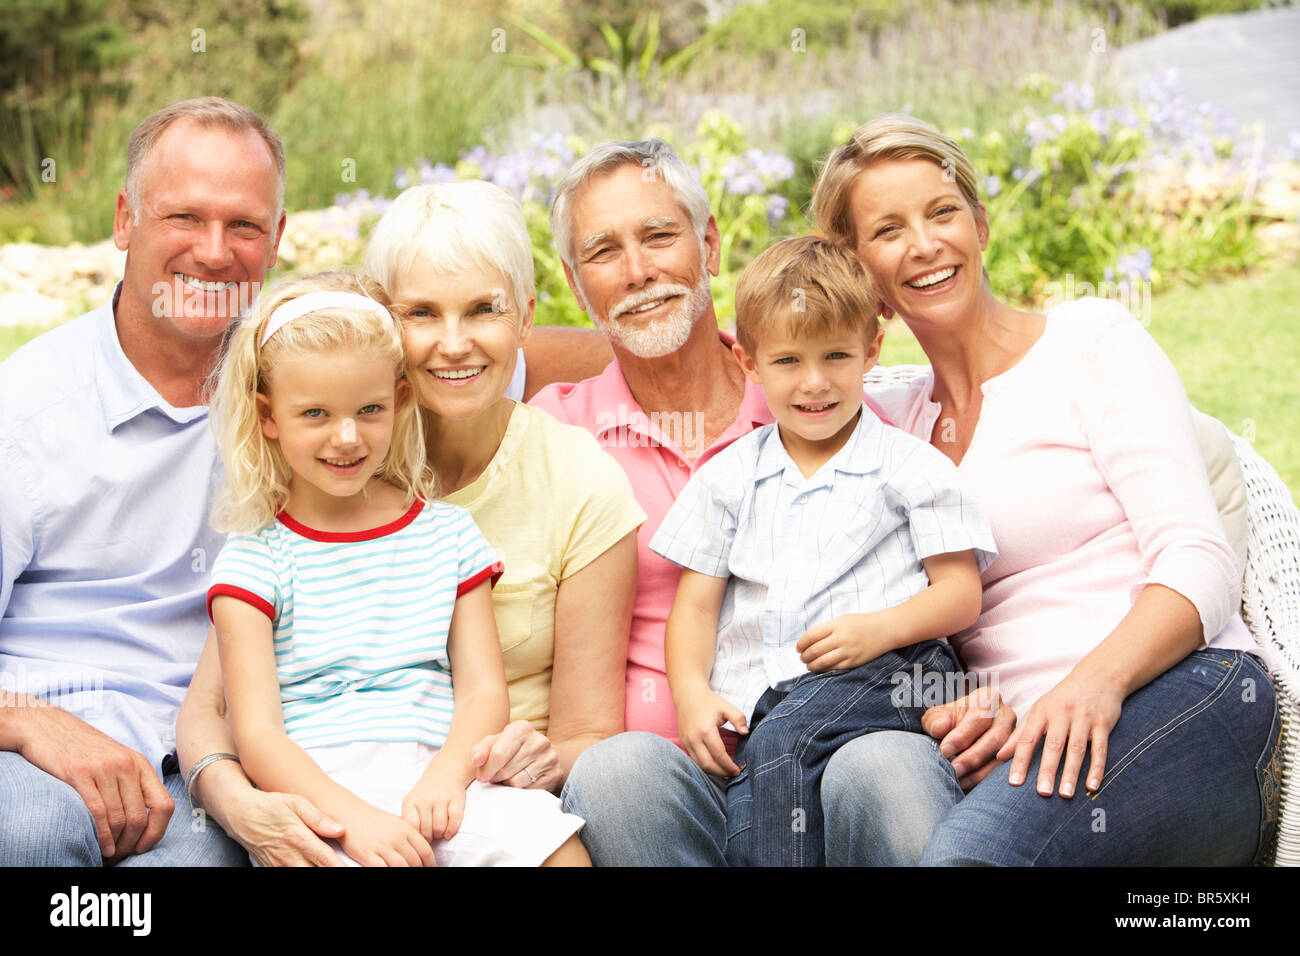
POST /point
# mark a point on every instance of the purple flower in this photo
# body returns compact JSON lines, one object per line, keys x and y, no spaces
{"x":400,"y":179}
{"x":992,"y":186}
{"x":777,"y":205}
{"x":1076,"y":97}
{"x":442,"y":173}
{"x":755,"y":172}
{"x":1044,"y":129}
{"x":1134,"y":266}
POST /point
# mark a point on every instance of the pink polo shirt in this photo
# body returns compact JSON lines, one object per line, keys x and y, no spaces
{"x":650,"y":452}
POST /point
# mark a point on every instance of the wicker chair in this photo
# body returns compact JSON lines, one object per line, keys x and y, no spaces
{"x":1270,"y":605}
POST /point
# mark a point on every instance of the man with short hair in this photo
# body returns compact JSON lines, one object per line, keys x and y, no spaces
{"x":633,"y":228}
{"x":108,"y":472}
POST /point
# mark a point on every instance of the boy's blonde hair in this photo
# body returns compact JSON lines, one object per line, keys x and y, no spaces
{"x":257,"y":475}
{"x":887,"y":136}
{"x":809,"y":286}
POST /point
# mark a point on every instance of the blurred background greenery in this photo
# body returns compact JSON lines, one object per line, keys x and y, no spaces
{"x":1082,"y":176}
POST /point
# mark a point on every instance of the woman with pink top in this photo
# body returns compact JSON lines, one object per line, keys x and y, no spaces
{"x":1110,"y":620}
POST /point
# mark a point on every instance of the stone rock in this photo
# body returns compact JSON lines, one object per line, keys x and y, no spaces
{"x":33,"y":309}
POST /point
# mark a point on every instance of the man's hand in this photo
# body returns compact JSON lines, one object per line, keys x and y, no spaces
{"x":129,"y":804}
{"x":970,"y":731}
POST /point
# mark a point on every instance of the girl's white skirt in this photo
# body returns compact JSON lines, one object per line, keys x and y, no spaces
{"x":502,"y":826}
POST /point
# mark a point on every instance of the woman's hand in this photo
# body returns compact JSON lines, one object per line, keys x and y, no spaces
{"x":970,"y":731}
{"x":436,"y":804}
{"x":282,"y":829}
{"x":1077,"y":713}
{"x":377,"y":838}
{"x":518,"y":757}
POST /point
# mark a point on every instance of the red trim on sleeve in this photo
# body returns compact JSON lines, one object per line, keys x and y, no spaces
{"x":248,"y":597}
{"x":368,"y":534}
{"x":493,"y":571}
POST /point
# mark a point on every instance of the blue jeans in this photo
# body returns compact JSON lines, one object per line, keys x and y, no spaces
{"x":646,"y":804}
{"x":1191,"y":779}
{"x":774,"y":806}
{"x":44,"y":822}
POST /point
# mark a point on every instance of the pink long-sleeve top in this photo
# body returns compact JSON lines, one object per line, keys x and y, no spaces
{"x":1086,"y":464}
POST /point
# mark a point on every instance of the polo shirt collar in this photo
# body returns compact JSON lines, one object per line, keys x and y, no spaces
{"x":619,"y":409}
{"x":123,"y":392}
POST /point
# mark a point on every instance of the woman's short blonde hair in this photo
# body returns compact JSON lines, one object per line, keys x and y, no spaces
{"x":257,"y":475}
{"x":454,"y":226}
{"x":809,"y":287}
{"x":887,"y":136}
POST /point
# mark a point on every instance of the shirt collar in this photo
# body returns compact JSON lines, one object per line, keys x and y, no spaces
{"x":619,"y":409}
{"x":860,"y":455}
{"x":123,"y":392}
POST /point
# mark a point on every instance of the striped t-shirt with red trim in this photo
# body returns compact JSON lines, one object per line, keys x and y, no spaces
{"x":360,"y":619}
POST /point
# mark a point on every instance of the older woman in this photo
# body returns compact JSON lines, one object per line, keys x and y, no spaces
{"x":457,"y":262}
{"x":1110,"y":617}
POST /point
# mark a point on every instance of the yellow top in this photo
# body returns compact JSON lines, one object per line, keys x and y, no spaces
{"x":550,"y":502}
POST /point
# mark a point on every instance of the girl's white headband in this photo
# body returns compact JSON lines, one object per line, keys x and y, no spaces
{"x":314,"y":302}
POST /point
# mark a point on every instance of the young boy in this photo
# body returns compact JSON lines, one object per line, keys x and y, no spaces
{"x":825,"y":557}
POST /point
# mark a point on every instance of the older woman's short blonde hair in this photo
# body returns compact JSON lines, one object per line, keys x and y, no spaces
{"x":454,"y":226}
{"x":887,"y":136}
{"x":257,"y":475}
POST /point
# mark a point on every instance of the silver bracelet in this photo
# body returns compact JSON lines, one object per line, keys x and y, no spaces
{"x":194,"y":773}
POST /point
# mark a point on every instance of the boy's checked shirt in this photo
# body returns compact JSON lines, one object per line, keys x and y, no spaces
{"x":801,"y":551}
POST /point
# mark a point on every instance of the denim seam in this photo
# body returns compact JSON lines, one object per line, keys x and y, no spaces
{"x":803,"y":742}
{"x":1108,"y":778}
{"x":1211,"y":697}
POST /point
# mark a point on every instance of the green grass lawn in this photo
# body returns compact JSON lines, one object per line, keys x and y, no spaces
{"x":1236,"y":346}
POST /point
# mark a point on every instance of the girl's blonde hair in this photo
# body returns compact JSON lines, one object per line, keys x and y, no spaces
{"x":887,"y":136}
{"x":257,"y":475}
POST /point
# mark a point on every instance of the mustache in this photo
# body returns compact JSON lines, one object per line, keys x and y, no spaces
{"x":638,"y":299}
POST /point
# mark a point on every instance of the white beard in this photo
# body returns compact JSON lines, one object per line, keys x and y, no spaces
{"x":668,"y":334}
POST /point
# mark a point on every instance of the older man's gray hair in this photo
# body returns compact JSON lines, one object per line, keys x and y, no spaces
{"x":652,"y":155}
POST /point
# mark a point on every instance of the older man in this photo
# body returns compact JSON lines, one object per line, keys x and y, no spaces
{"x":633,"y":227}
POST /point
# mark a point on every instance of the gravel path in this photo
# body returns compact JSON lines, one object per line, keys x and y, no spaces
{"x":1249,"y":63}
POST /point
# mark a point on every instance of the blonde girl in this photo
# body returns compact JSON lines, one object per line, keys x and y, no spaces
{"x":346,"y":598}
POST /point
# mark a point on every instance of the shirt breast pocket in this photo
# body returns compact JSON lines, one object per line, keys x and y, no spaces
{"x":525,"y":625}
{"x":512,"y":606}
{"x":854,"y":534}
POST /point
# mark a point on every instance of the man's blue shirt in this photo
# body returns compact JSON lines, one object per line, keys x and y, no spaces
{"x":105,"y":544}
